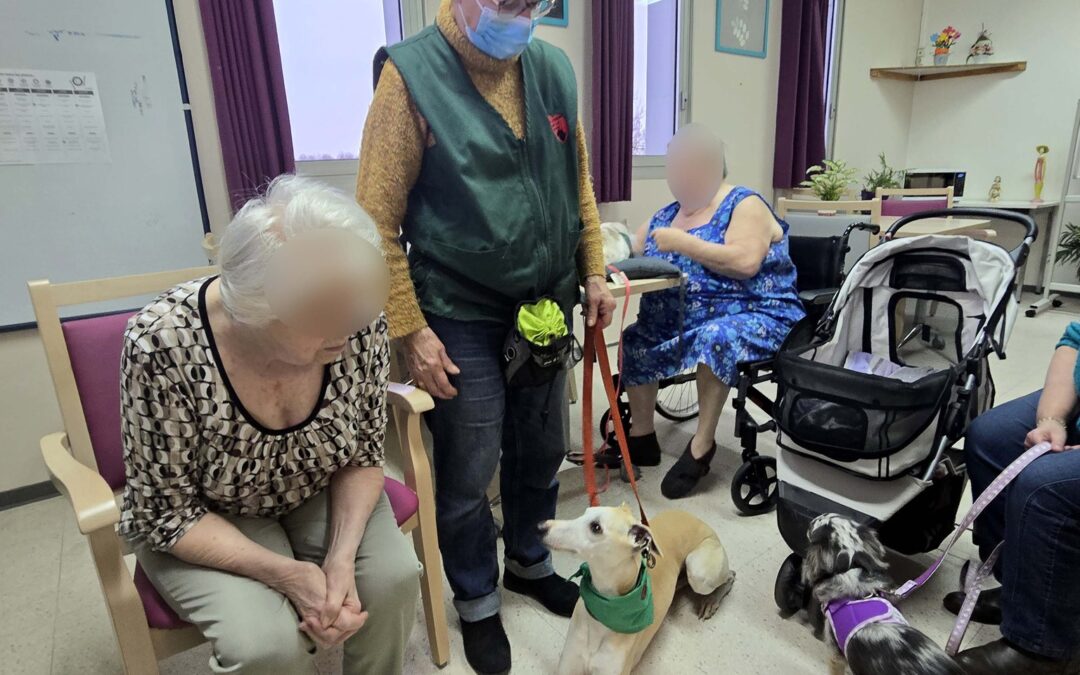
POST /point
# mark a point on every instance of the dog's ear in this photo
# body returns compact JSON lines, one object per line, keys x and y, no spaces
{"x":642,"y":538}
{"x":819,"y":535}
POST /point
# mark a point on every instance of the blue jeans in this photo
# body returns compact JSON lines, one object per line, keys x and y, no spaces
{"x":488,"y":422}
{"x":1038,"y":518}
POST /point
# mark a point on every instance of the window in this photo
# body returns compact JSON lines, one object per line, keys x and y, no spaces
{"x":326,"y":52}
{"x":660,"y":93}
{"x":832,"y":70}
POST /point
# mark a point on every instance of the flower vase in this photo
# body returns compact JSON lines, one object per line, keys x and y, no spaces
{"x":941,"y":57}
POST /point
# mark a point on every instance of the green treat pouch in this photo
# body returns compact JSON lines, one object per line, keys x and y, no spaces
{"x":539,"y":346}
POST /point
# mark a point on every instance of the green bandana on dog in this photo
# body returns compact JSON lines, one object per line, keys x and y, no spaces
{"x":630,"y":613}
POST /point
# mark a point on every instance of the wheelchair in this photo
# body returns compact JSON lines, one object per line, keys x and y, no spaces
{"x":819,"y":265}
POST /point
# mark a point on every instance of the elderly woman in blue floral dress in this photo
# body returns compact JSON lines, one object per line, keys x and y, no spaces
{"x":740,"y":299}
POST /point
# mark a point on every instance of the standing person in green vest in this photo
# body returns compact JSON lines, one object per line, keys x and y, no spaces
{"x":473,"y":154}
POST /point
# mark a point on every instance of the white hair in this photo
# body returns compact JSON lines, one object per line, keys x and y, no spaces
{"x":289,"y":206}
{"x":704,"y":144}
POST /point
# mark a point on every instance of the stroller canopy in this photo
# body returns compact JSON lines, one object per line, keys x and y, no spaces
{"x":976,"y":275}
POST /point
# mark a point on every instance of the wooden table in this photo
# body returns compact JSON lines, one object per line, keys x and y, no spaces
{"x":642,"y":286}
{"x":950,"y":225}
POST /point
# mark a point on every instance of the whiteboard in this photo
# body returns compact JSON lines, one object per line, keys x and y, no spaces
{"x":137,"y":212}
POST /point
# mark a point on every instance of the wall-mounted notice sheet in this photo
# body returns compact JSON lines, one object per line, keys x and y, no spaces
{"x":51,"y":117}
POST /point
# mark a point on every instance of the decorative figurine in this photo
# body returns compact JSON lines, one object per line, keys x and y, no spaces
{"x":995,"y":189}
{"x":1040,"y":171}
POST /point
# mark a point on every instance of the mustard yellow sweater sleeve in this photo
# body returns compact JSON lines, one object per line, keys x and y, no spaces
{"x":391,"y":155}
{"x":590,"y":257}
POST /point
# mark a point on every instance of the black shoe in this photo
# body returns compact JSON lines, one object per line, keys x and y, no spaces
{"x":987,"y":607}
{"x":487,"y":649}
{"x":558,"y":595}
{"x":644,"y":450}
{"x":1002,"y":658}
{"x":685,"y":474}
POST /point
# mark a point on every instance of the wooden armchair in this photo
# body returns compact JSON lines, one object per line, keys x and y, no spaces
{"x":85,"y":462}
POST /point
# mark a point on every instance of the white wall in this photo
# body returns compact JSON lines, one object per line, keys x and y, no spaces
{"x":990,"y":125}
{"x":874,"y":116}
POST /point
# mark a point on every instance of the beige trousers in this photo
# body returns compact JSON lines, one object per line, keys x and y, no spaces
{"x":255,"y":630}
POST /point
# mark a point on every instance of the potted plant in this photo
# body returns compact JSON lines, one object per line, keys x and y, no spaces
{"x":943,"y":41}
{"x":982,"y":49}
{"x":1068,"y":250}
{"x":885,"y":177}
{"x":829,"y":180}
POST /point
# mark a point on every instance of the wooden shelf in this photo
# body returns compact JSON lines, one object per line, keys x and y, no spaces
{"x":923,"y":73}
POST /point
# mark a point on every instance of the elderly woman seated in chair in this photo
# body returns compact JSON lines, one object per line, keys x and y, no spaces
{"x":740,"y":301}
{"x":253,"y":424}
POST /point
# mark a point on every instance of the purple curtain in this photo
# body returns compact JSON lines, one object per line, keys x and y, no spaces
{"x":800,"y":101}
{"x":612,"y":98}
{"x":249,"y":93}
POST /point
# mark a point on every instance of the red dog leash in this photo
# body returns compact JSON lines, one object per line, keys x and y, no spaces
{"x":595,"y":351}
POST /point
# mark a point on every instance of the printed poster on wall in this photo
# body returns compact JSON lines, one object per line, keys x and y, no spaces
{"x":51,"y":117}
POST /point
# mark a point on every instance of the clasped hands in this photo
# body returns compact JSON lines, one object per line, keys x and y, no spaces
{"x":326,"y":600}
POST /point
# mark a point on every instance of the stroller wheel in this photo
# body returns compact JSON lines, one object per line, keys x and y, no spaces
{"x":789,"y":593}
{"x":753,"y":489}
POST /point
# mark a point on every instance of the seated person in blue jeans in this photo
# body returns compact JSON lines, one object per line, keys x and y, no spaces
{"x":740,"y":299}
{"x":1038,"y":518}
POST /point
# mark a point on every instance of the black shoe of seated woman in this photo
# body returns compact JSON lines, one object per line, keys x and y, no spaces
{"x":644,"y":450}
{"x":1003,"y":658}
{"x":685,"y":474}
{"x":487,"y":649}
{"x":987,"y":607}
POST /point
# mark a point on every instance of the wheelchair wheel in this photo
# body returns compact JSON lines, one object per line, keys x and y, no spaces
{"x":788,"y":593}
{"x":753,"y":489}
{"x":678,"y":399}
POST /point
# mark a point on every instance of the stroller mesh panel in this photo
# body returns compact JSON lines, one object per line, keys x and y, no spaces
{"x":928,"y":271}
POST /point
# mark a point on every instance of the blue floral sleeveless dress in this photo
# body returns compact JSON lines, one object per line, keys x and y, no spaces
{"x":726,"y":320}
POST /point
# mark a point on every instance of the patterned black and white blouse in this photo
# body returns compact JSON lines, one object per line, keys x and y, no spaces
{"x":190,"y":446}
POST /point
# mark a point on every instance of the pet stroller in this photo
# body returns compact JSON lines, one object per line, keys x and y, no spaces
{"x":866,"y":417}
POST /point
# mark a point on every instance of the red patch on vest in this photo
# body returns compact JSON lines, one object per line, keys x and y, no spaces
{"x":559,"y":127}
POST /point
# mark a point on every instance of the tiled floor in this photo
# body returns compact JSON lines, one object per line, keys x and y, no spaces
{"x":54,"y":619}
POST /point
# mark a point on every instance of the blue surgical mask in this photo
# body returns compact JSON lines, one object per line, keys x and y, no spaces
{"x":499,"y":36}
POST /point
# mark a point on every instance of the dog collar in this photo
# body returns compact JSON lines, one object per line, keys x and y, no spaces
{"x":629,"y":613}
{"x":847,"y":617}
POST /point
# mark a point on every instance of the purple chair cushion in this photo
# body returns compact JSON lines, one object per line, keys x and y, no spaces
{"x":895,"y":206}
{"x":95,"y":346}
{"x":158,"y":612}
{"x":403,"y":500}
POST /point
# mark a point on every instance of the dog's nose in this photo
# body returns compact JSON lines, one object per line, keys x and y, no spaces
{"x":544,"y":526}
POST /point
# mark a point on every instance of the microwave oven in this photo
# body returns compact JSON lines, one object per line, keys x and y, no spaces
{"x":936,"y":178}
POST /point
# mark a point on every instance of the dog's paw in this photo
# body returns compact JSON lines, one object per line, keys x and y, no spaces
{"x":708,"y":604}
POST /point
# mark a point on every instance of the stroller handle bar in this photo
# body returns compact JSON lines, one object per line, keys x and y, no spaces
{"x":1018,"y":254}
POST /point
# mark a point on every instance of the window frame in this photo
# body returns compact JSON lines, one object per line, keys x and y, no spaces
{"x":413,"y":19}
{"x":832,"y":72}
{"x":655,"y":166}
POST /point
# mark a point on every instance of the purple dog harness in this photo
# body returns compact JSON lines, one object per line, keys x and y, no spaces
{"x":847,"y":617}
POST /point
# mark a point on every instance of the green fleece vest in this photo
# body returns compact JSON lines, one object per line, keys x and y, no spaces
{"x":492,"y":220}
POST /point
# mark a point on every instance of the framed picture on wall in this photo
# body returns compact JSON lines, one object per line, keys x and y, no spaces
{"x":557,"y":16}
{"x":742,"y":27}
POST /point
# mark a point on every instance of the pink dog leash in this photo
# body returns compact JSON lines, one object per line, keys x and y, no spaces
{"x":973,"y":585}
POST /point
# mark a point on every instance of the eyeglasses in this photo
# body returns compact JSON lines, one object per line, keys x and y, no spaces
{"x":537,"y":8}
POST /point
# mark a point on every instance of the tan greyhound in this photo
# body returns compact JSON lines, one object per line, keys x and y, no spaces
{"x":613,"y":543}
